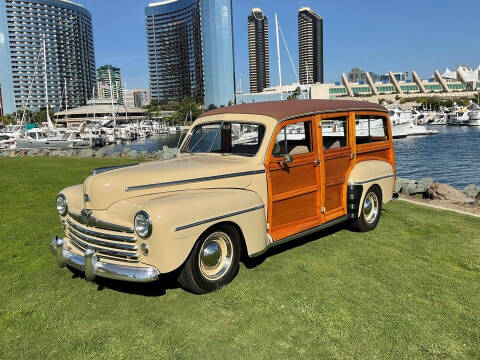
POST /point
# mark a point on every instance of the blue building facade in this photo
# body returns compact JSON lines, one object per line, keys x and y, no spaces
{"x":174,"y":44}
{"x":218,"y":52}
{"x":70,"y":53}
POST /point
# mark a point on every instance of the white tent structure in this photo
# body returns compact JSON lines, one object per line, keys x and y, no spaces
{"x":462,"y":73}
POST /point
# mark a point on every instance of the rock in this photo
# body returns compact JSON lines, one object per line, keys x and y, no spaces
{"x":3,"y":153}
{"x":132,"y":153}
{"x":472,"y":190}
{"x":62,"y":153}
{"x":439,"y":191}
{"x":55,"y":153}
{"x":43,"y":152}
{"x":102,"y":152}
{"x":411,"y":188}
{"x":115,"y":154}
{"x":143,"y":154}
{"x":425,"y":183}
{"x":86,"y":153}
{"x":399,"y":184}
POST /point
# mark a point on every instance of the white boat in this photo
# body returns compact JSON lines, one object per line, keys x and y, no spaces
{"x":7,"y":141}
{"x":36,"y":138}
{"x":474,"y":117}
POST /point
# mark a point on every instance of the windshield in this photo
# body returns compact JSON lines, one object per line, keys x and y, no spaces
{"x":225,"y":138}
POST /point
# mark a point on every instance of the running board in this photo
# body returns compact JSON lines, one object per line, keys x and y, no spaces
{"x":304,"y":233}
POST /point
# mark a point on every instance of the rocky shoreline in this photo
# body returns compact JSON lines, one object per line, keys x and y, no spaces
{"x":165,"y":153}
{"x":427,"y":190}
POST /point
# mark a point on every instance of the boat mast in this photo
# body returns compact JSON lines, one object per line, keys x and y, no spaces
{"x":278,"y":57}
{"x":93,"y":102}
{"x":51,"y":127}
{"x":111,"y":97}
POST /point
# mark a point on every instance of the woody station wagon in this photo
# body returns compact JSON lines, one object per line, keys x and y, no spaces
{"x":245,"y":178}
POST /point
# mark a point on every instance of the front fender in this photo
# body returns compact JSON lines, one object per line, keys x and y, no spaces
{"x":178,"y":220}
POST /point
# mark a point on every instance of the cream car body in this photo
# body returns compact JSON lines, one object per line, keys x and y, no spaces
{"x":184,"y":197}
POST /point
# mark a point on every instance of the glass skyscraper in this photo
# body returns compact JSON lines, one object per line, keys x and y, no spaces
{"x":70,"y":53}
{"x":218,"y":55}
{"x":310,"y":46}
{"x":174,"y":43}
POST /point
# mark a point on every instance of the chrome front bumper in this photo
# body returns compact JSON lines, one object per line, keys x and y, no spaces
{"x":92,"y":267}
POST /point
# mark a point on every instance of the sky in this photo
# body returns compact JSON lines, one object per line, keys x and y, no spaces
{"x":377,"y":36}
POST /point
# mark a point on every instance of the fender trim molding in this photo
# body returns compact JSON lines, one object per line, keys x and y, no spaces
{"x":207,"y":178}
{"x":202,"y":222}
{"x":370,"y":180}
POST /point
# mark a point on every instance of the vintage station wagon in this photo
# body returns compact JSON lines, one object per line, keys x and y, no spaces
{"x":246,"y":178}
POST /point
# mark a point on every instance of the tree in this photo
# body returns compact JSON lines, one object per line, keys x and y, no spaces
{"x":295,"y":94}
{"x":185,"y":107}
{"x":41,"y":116}
{"x":8,"y":119}
{"x":211,"y":107}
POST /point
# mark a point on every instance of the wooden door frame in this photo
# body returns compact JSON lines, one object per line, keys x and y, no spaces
{"x":296,"y":228}
{"x":332,"y":154}
{"x":376,"y":146}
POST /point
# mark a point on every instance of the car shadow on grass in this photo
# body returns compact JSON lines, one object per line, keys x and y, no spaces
{"x":251,"y":263}
{"x":168,"y":281}
{"x":153,"y":289}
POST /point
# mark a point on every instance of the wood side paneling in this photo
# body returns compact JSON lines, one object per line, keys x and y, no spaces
{"x":294,"y":209}
{"x":291,"y":178}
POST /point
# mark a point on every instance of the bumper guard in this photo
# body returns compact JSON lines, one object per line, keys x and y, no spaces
{"x":93,"y":267}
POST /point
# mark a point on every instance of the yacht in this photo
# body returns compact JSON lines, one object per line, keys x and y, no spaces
{"x":7,"y":141}
{"x":459,"y":117}
{"x":37,"y":138}
{"x":474,"y":117}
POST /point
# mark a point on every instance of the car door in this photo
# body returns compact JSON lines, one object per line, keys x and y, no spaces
{"x":293,"y":179}
{"x":336,"y":146}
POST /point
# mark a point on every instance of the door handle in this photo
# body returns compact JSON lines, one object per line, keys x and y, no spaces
{"x":316,"y":162}
{"x":352,"y":155}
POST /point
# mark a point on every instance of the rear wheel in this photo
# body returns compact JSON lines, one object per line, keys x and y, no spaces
{"x":371,"y":210}
{"x":213,"y":262}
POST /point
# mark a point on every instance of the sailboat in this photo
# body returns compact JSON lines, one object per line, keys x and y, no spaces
{"x":37,"y":138}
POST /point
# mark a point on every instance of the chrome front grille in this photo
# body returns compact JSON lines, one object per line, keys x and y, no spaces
{"x":118,"y":246}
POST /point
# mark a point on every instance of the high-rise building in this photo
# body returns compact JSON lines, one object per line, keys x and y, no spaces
{"x":1,"y":102}
{"x":69,"y":47}
{"x":310,"y":46}
{"x":258,"y":51}
{"x":218,"y":58}
{"x":109,"y":81}
{"x":136,"y":98}
{"x":174,"y":43}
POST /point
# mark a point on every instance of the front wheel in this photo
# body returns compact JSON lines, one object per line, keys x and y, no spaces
{"x":371,"y":210}
{"x":213,"y":262}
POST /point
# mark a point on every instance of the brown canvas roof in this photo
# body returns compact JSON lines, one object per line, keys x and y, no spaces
{"x":283,"y":110}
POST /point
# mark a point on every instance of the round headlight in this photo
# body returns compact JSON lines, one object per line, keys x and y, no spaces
{"x":143,"y":224}
{"x":62,"y":205}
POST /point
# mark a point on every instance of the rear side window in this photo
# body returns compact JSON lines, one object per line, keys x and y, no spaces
{"x":369,"y":129}
{"x":294,"y":139}
{"x":334,"y":133}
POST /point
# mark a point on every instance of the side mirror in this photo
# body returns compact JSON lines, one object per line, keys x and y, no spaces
{"x":287,"y":158}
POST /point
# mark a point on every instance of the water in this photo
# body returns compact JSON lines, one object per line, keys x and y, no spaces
{"x":451,"y":157}
{"x":151,"y":144}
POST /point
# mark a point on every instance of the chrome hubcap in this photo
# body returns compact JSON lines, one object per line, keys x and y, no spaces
{"x":370,"y":207}
{"x":215,"y":256}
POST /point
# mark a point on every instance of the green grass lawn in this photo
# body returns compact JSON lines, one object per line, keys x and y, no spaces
{"x":410,"y":289}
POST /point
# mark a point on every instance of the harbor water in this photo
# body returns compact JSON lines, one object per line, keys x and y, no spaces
{"x":451,"y":157}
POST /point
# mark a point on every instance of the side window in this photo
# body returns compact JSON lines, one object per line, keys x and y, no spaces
{"x":294,"y":139}
{"x":334,"y":133}
{"x":369,"y":129}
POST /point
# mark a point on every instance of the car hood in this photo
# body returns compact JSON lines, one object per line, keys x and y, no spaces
{"x":192,"y":172}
